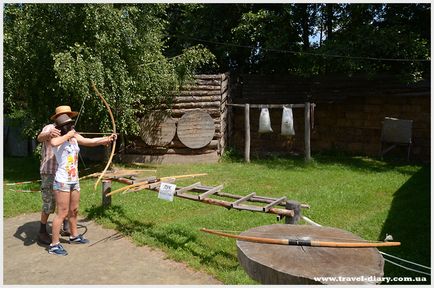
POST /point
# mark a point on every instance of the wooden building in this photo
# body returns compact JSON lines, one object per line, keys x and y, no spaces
{"x":194,"y":130}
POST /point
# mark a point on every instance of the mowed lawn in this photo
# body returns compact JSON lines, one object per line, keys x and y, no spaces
{"x":368,"y":197}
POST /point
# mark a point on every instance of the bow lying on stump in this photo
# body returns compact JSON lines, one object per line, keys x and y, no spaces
{"x":303,"y":242}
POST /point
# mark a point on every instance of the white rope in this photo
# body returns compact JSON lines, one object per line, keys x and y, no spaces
{"x":385,"y":254}
{"x":405,"y":267}
{"x":403,"y":260}
{"x":311,"y":222}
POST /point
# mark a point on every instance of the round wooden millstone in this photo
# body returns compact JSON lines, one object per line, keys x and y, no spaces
{"x":284,"y":264}
{"x":157,"y":129}
{"x":195,"y":129}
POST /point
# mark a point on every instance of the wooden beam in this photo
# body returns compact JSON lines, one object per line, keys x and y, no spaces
{"x":248,"y":208}
{"x":307,"y":131}
{"x":245,"y":198}
{"x":184,"y":189}
{"x":247,"y":133}
{"x":210,"y":192}
{"x":274,"y":203}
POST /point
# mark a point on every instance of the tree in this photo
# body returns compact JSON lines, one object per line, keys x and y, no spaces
{"x":52,"y":53}
{"x":276,"y":38}
{"x":365,"y":32}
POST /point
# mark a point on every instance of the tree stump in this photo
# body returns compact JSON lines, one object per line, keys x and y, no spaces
{"x":283,"y":264}
{"x":195,"y":129}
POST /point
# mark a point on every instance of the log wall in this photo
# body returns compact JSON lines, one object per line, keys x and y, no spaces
{"x":208,"y":93}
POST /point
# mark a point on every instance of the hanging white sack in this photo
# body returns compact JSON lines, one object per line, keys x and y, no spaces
{"x":264,"y":121}
{"x":287,"y":122}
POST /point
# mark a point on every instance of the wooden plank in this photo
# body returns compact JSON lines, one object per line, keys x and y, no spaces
{"x":207,"y":76}
{"x":149,"y":179}
{"x":274,"y":203}
{"x":188,"y":99}
{"x":248,"y":208}
{"x":199,"y":93}
{"x":245,"y":198}
{"x":210,"y":192}
{"x":181,"y":112}
{"x":184,"y":189}
{"x":194,"y":105}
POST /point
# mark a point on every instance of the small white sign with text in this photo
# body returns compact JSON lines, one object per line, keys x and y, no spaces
{"x":166,"y":191}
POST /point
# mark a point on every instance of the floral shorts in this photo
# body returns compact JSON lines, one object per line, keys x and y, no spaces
{"x":65,"y":187}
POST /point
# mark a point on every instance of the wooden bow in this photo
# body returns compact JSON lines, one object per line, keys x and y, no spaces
{"x":303,"y":242}
{"x":114,"y":132}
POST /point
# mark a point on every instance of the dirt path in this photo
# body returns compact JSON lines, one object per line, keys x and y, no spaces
{"x":108,"y":259}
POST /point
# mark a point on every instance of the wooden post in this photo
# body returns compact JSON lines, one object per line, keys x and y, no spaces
{"x":106,"y":188}
{"x":247,"y":132}
{"x":296,"y":207}
{"x":307,"y":131}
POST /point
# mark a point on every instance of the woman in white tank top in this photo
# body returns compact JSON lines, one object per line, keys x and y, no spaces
{"x":66,"y":186}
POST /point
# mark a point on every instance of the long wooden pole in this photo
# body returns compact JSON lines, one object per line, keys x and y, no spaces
{"x":307,"y":131}
{"x":247,"y":132}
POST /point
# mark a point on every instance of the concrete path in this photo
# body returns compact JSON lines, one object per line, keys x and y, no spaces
{"x":109,"y":258}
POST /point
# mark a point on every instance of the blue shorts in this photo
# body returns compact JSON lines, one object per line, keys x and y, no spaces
{"x":65,"y":187}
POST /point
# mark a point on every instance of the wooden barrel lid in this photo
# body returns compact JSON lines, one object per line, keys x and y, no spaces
{"x":283,"y":264}
{"x":196,"y":129}
{"x":157,"y":129}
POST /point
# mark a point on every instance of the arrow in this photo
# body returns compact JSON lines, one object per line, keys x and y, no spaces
{"x":157,"y":180}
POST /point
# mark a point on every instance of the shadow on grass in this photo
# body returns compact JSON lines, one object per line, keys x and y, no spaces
{"x":409,"y":222}
{"x":176,"y":237}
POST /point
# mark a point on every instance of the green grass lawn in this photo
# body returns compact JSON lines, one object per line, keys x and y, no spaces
{"x":365,"y":196}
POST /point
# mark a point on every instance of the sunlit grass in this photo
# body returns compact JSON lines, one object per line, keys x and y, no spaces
{"x":358,"y":194}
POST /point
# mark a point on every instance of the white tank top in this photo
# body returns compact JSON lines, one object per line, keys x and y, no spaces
{"x":67,"y":160}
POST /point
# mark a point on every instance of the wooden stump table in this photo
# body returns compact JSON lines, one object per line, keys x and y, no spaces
{"x":282,"y":264}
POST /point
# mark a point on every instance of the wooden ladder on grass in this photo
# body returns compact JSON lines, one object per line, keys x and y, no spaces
{"x":239,"y":204}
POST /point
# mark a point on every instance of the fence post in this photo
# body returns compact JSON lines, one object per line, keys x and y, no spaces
{"x":307,"y":131}
{"x":247,"y":133}
{"x":106,"y":188}
{"x":296,"y":207}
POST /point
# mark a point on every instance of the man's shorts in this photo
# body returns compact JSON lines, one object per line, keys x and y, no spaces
{"x":48,"y":199}
{"x":65,"y":187}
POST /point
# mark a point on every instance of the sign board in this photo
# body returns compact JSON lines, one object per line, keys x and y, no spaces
{"x":166,"y":191}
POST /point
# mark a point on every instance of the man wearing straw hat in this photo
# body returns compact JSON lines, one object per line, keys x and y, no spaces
{"x":48,"y":170}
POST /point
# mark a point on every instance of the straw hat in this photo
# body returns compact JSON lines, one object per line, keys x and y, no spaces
{"x":62,"y":120}
{"x":64,"y":110}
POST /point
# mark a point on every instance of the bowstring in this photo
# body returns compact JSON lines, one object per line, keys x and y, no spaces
{"x":75,"y":124}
